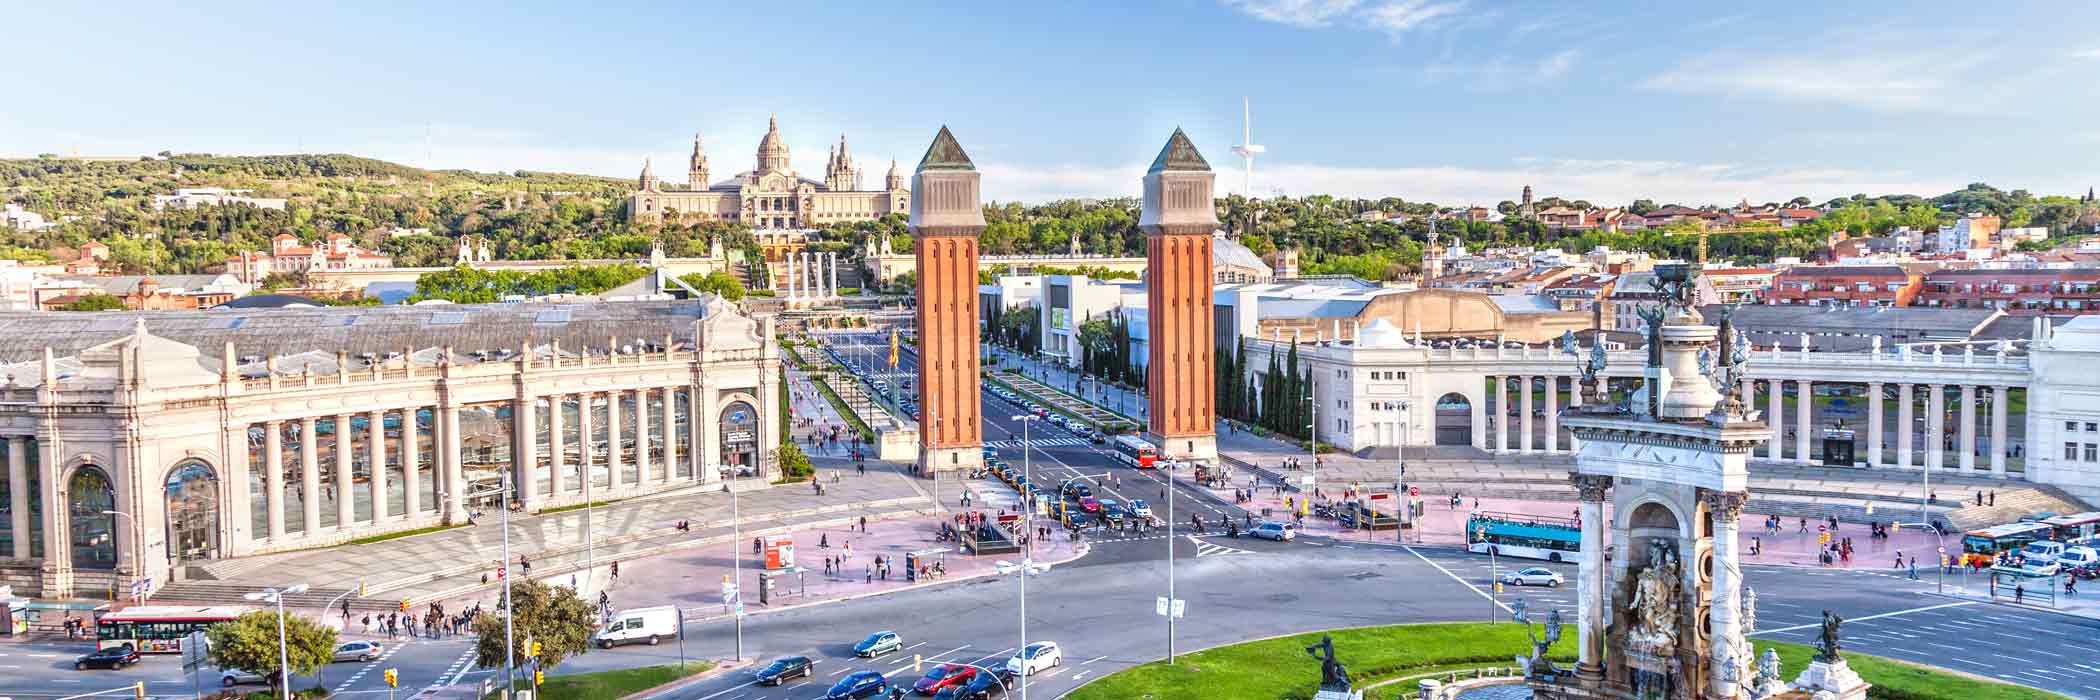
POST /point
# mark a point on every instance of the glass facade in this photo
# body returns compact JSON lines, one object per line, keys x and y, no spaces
{"x":630,"y":469}
{"x":296,"y":490}
{"x":426,"y":458}
{"x":360,"y":467}
{"x":681,"y":445}
{"x":325,"y":442}
{"x":36,"y":502}
{"x":542,"y":454}
{"x":485,"y":440}
{"x":193,"y":511}
{"x":396,"y":469}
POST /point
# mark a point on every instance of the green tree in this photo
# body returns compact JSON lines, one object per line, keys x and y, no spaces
{"x":717,"y":282}
{"x":249,"y":643}
{"x":794,"y":463}
{"x":551,"y":615}
{"x":94,"y":302}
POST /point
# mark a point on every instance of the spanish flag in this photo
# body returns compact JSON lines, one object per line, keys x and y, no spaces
{"x":893,"y":348}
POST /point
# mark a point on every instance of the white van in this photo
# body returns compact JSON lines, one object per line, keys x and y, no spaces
{"x":640,"y":625}
{"x":2078,"y":557}
{"x":2042,"y":552}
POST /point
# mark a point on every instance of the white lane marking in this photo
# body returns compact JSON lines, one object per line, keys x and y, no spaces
{"x":1476,"y":589}
{"x":1876,"y":617}
{"x":1097,"y":658}
{"x":728,"y":691}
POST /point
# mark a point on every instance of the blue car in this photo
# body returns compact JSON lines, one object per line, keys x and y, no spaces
{"x":859,"y":685}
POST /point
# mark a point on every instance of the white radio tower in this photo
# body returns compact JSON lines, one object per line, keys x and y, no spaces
{"x":1248,"y":147}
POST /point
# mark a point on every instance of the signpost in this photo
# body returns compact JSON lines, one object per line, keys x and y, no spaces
{"x":193,"y":649}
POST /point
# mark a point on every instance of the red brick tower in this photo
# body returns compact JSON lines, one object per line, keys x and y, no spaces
{"x":945,"y":222}
{"x":1178,"y":220}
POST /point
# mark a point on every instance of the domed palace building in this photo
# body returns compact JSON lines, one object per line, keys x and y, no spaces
{"x":772,"y":195}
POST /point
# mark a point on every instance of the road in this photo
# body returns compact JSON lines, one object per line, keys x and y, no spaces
{"x":1100,"y":608}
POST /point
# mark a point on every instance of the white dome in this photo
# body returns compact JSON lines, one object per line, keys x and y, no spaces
{"x":1381,"y":334}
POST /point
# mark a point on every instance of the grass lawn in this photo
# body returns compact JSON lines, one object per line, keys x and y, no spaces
{"x":1279,"y":669}
{"x":403,"y":533}
{"x":614,"y":684}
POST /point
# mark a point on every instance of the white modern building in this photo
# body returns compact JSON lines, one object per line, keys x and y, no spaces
{"x":193,"y":197}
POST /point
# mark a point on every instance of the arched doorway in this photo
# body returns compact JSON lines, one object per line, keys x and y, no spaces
{"x":1454,"y":419}
{"x":193,"y":512}
{"x":739,"y":423}
{"x":89,"y":500}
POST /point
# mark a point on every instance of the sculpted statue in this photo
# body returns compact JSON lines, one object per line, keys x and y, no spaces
{"x":1653,"y":316}
{"x":1333,"y":676}
{"x":1655,"y":599}
{"x":1827,"y":645}
{"x":1768,"y":669}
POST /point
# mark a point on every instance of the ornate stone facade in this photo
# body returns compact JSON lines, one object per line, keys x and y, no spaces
{"x":218,"y":439}
{"x":772,"y":195}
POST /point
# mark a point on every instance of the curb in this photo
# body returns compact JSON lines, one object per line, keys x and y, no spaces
{"x":406,"y":581}
{"x":454,"y":592}
{"x":721,"y":668}
{"x":870,"y":594}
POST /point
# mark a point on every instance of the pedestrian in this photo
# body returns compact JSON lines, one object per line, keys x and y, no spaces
{"x":1913,"y":567}
{"x":864,"y":523}
{"x":1994,"y":497}
{"x":525,"y":564}
{"x":368,"y":623}
{"x":1979,"y":497}
{"x":2019,"y":593}
{"x":616,"y":571}
{"x":1804,"y":525}
{"x":2071,"y":586}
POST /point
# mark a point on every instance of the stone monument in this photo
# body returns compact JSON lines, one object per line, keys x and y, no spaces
{"x":1334,"y":677}
{"x":1828,"y":672}
{"x":1666,"y":617}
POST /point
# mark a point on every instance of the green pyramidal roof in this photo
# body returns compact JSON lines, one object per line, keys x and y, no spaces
{"x":1180,"y":154}
{"x":945,"y":154}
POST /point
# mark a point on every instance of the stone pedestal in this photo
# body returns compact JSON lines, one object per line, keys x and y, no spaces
{"x":1339,"y":695}
{"x":1834,"y":677}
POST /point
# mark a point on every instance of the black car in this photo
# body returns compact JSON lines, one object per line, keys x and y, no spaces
{"x":110,"y":658}
{"x":786,"y":667}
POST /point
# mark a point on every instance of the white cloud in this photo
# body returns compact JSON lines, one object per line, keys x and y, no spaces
{"x":2088,"y":53}
{"x":1402,"y":16}
{"x":1603,"y":182}
{"x":1297,"y":13}
{"x":1909,"y":82}
{"x":1558,"y":64}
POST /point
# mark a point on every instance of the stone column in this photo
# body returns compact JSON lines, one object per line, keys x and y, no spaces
{"x":789,"y":261}
{"x":1590,"y":589}
{"x":1874,"y":431}
{"x":1936,"y":428}
{"x":1552,"y":414}
{"x":1501,"y":415}
{"x":18,"y":494}
{"x":411,"y":469}
{"x":1966,"y":437}
{"x":1480,"y":423}
{"x":612,"y":439}
{"x":670,"y":433}
{"x":557,"y":456}
{"x":1775,"y":399}
{"x":1804,"y":420}
{"x":1724,"y":613}
{"x":641,"y":436}
{"x":707,"y":428}
{"x":1906,"y":425}
{"x":375,"y":452}
{"x":525,"y":453}
{"x":345,"y":482}
{"x":1999,"y":397}
{"x":449,"y":455}
{"x":1524,"y":437}
{"x":834,"y":273}
{"x":273,"y":485}
{"x":310,"y":473}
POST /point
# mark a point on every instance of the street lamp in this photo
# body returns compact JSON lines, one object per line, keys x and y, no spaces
{"x":1028,"y":537}
{"x":736,"y":565}
{"x":284,"y":664}
{"x":138,"y":542}
{"x":1171,"y":466}
{"x":510,"y":663}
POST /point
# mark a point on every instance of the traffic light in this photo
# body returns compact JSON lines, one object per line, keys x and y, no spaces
{"x":535,"y":648}
{"x":393,"y":679}
{"x":404,"y":605}
{"x":361,"y":589}
{"x":538,"y":678}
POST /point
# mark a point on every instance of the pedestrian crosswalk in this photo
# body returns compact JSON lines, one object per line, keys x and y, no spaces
{"x":1037,"y":442}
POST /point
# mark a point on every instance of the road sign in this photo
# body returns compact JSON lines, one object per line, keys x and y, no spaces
{"x":1943,"y":549}
{"x":501,"y":572}
{"x":1179,"y":606}
{"x":1415,"y":491}
{"x":1306,"y":480}
{"x":739,"y":608}
{"x":193,"y":651}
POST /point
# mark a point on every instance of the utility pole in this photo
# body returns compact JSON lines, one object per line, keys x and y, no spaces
{"x":1171,"y":466}
{"x":510,"y":610}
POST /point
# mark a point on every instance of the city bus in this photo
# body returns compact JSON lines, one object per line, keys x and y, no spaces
{"x":2076,"y":528}
{"x":1522,"y":535}
{"x":158,"y":629}
{"x":1989,"y":544}
{"x":1134,"y":451}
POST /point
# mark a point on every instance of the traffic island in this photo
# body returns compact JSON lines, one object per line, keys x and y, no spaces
{"x":1386,"y":661}
{"x":617,"y":683}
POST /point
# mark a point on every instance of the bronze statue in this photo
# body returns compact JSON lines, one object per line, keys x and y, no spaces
{"x":1333,"y":676}
{"x":1827,"y":641}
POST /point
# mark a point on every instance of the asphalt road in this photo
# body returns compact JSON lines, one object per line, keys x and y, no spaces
{"x":1101,"y":610}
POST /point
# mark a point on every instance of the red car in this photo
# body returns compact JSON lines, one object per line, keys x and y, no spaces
{"x":1090,"y":504}
{"x":943,"y":676}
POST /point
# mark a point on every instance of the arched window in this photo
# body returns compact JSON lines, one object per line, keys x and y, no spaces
{"x":89,"y":498}
{"x":193,"y":511}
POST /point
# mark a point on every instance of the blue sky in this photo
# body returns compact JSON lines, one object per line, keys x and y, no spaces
{"x":1454,"y":101}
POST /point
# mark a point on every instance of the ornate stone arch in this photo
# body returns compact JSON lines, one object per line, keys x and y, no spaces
{"x":1629,"y":520}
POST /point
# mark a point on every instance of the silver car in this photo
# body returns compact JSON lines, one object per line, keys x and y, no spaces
{"x":357,"y":651}
{"x":1534,"y":576}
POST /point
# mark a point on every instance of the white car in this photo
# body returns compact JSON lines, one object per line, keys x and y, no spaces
{"x":1138,"y":508}
{"x":1039,"y":656}
{"x":1534,"y":576}
{"x":230,"y":677}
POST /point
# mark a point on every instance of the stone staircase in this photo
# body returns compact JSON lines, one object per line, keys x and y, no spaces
{"x":217,"y":593}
